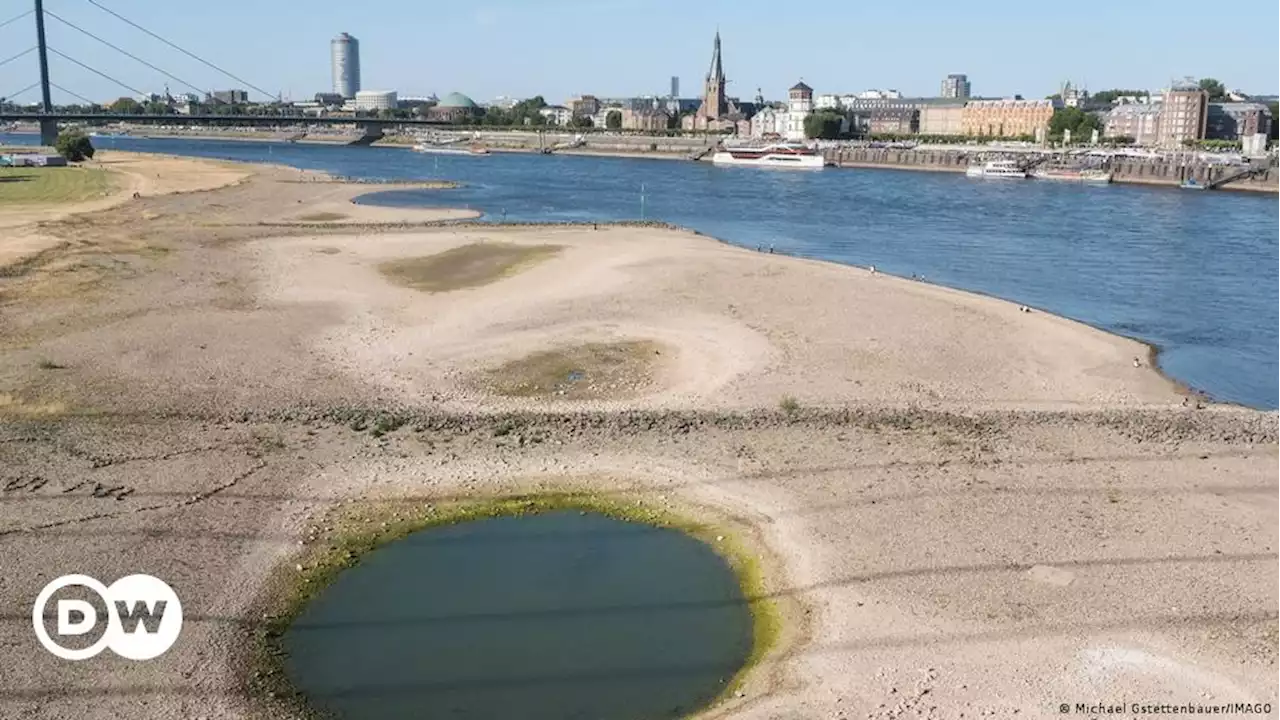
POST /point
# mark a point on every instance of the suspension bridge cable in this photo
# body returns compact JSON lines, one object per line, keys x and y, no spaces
{"x":126,"y":20}
{"x":15,"y":19}
{"x":74,"y":95}
{"x":134,"y":90}
{"x":14,"y":95}
{"x":122,"y":51}
{"x":15,"y":57}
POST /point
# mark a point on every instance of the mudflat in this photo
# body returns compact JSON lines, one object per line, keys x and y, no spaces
{"x":970,"y":509}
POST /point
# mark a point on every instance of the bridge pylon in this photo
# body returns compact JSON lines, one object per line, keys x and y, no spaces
{"x":48,"y":127}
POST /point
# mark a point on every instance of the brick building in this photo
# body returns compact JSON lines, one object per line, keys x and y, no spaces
{"x":1183,"y":115}
{"x":1237,"y":120}
{"x":583,"y":105}
{"x":1140,"y":121}
{"x":716,"y":112}
{"x":942,"y":119}
{"x":1006,"y":118}
{"x":645,"y":119}
{"x":894,"y":121}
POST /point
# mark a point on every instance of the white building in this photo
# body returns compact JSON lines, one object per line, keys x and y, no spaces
{"x":373,"y":100}
{"x":828,"y":101}
{"x":309,"y":107}
{"x":770,"y":121}
{"x":834,"y":101}
{"x":799,"y":106}
{"x":557,"y":115}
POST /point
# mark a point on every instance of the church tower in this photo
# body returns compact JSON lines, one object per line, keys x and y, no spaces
{"x":714,"y":104}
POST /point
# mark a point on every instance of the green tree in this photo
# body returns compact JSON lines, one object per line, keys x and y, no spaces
{"x":126,"y":106}
{"x":1080,"y":123}
{"x":822,"y":125}
{"x":613,"y":120}
{"x":73,"y":145}
{"x":496,"y":116}
{"x":581,"y":121}
{"x":1215,"y":89}
{"x":156,"y":107}
{"x":1275,"y":120}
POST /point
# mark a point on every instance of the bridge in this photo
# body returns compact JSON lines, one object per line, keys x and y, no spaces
{"x":49,"y":118}
{"x":372,"y":127}
{"x":255,"y":120}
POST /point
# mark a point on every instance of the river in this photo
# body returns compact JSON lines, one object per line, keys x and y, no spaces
{"x":1193,"y":273}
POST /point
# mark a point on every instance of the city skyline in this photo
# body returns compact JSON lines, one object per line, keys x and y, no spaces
{"x":524,"y":49}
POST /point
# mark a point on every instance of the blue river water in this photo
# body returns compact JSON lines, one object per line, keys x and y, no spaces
{"x":1193,"y":273}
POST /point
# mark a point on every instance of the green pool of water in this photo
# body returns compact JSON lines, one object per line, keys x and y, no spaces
{"x":558,"y":616}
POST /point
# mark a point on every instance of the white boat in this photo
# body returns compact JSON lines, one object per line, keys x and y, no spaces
{"x":997,"y":169}
{"x":433,"y":149}
{"x":1088,"y":176}
{"x":789,"y":155}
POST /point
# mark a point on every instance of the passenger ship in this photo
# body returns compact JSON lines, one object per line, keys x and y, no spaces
{"x":1088,"y":176}
{"x":997,"y":169}
{"x":789,"y":155}
{"x":434,"y":149}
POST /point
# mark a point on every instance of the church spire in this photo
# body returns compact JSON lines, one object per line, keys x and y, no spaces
{"x":716,"y":72}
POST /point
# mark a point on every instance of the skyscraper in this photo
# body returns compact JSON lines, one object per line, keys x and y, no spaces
{"x":955,"y":86}
{"x":675,"y":86}
{"x":345,"y":55}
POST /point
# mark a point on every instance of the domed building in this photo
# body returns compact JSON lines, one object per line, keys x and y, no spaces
{"x":455,"y":108}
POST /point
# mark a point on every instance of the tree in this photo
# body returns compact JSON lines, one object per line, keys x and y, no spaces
{"x":824,"y":125}
{"x":1275,"y":121}
{"x":1215,"y":89}
{"x":613,"y":120}
{"x":1080,"y":123}
{"x":126,"y":106}
{"x":581,"y":121}
{"x":496,"y":116}
{"x":73,"y":145}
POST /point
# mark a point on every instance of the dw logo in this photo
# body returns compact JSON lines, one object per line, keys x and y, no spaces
{"x":144,"y":617}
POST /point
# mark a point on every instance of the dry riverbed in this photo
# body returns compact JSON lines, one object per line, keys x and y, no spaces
{"x":967,"y":509}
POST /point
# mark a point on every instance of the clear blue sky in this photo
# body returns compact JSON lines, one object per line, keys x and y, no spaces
{"x":558,"y":48}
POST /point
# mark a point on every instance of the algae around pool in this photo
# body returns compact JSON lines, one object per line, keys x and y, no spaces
{"x":560,"y":614}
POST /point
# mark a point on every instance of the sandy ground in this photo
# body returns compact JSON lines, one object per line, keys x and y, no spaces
{"x":139,"y":173}
{"x":974,"y":510}
{"x":344,"y":212}
{"x":727,"y":315}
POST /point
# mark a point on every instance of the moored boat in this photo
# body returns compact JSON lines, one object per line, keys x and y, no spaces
{"x":1191,"y":184}
{"x":788,"y":155}
{"x":1005,"y":169}
{"x":433,"y":149}
{"x":1090,"y":176}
